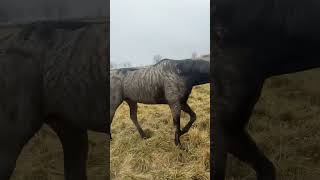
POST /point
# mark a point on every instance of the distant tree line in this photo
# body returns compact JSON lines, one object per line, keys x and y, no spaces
{"x":156,"y":58}
{"x":114,"y":65}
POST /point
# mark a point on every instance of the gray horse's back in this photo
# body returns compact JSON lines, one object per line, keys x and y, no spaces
{"x":151,"y":85}
{"x":145,"y":86}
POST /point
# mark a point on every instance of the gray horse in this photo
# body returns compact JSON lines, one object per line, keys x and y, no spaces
{"x":167,"y":82}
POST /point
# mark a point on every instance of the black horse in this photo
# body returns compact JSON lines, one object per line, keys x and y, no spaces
{"x":167,"y":82}
{"x":53,"y":73}
{"x":254,"y":40}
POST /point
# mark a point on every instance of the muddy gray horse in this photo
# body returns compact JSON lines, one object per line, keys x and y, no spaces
{"x":54,"y":73}
{"x":167,"y":82}
{"x":254,"y":40}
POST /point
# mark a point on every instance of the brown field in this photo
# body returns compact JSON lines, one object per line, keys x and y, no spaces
{"x":157,"y":157}
{"x":285,"y":124}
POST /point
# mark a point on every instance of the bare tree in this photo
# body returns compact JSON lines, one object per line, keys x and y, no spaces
{"x":157,"y":58}
{"x":194,"y":56}
{"x":126,"y":64}
{"x":113,"y":65}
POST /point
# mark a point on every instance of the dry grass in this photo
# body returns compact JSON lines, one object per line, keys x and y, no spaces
{"x":42,"y":158}
{"x":285,"y":124}
{"x":158,"y":157}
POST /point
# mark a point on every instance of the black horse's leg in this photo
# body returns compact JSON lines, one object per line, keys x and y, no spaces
{"x":75,"y":148}
{"x":234,"y":96}
{"x":176,"y":112}
{"x":186,"y":108}
{"x":20,"y":119}
{"x":134,"y":117}
{"x":218,"y":153}
{"x":8,"y":155}
{"x":243,"y":147}
{"x":11,"y":146}
{"x":14,"y":135}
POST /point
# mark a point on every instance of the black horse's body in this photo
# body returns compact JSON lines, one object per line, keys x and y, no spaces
{"x":49,"y":74}
{"x":254,"y":40}
{"x":167,"y":82}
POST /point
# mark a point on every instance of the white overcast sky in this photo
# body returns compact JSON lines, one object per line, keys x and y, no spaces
{"x":174,"y":29}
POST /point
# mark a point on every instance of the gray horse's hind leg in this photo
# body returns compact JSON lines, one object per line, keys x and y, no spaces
{"x":115,"y":99}
{"x":186,"y":108}
{"x":75,"y":148}
{"x":113,"y":109}
{"x":176,"y":112}
{"x":112,"y":112}
{"x":134,"y":117}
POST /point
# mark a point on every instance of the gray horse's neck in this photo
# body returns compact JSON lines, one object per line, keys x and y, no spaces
{"x":197,"y":71}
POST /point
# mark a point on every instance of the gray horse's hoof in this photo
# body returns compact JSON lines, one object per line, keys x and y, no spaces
{"x":144,"y":137}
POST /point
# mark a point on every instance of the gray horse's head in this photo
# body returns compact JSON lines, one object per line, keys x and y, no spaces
{"x":197,"y":70}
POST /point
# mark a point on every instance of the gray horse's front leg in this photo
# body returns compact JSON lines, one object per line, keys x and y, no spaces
{"x":186,"y":108}
{"x":176,"y":112}
{"x":134,"y":117}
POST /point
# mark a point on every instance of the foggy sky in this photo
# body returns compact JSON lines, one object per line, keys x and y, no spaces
{"x":30,"y":10}
{"x":174,"y":29}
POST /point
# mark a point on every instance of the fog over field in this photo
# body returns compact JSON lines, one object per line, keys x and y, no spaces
{"x":141,"y":29}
